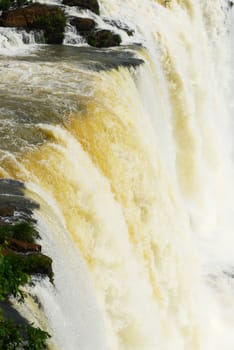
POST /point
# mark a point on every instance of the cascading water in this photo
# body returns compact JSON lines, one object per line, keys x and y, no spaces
{"x":13,"y":41}
{"x":129,"y":154}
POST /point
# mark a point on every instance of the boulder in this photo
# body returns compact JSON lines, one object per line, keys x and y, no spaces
{"x":50,"y":19}
{"x":32,"y":263}
{"x":36,"y":263}
{"x":85,"y":4}
{"x":25,"y":16}
{"x":120,"y":25}
{"x":103,"y":38}
{"x":21,"y":246}
{"x":6,"y":211}
{"x":83,"y":25}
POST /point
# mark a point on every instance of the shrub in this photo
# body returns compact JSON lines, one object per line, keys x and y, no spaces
{"x":5,"y":4}
{"x":12,"y":276}
{"x":17,"y":336}
{"x":53,"y":26}
{"x":21,"y":2}
{"x":23,"y":230}
{"x":103,"y":38}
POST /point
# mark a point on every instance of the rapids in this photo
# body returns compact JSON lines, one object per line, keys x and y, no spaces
{"x":129,"y":153}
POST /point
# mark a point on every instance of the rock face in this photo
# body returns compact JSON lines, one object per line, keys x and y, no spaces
{"x":50,"y":19}
{"x":85,"y":4}
{"x":6,"y":211}
{"x":120,"y":25}
{"x":96,"y":38}
{"x":103,"y":38}
{"x":83,"y":25}
{"x":22,"y":246}
{"x":32,"y":263}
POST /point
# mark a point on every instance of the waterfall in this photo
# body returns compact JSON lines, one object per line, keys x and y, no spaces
{"x":13,"y":41}
{"x":131,"y":163}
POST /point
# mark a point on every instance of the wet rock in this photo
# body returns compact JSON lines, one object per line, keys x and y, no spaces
{"x":120,"y":25}
{"x":21,"y":246}
{"x":8,"y":312}
{"x":103,"y":38}
{"x":32,"y":263}
{"x":85,"y":4}
{"x":19,"y":203}
{"x":11,"y":187}
{"x":7,"y":211}
{"x":25,"y":16}
{"x":50,"y":19}
{"x":83,"y":25}
{"x":38,"y":264}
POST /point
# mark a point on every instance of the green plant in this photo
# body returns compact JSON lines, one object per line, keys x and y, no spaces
{"x":5,"y":233}
{"x":50,"y":23}
{"x":53,"y":25}
{"x":21,"y":2}
{"x":36,"y":338}
{"x":10,"y":337}
{"x":17,"y":336}
{"x":23,"y":230}
{"x":12,"y":277}
{"x":5,"y":4}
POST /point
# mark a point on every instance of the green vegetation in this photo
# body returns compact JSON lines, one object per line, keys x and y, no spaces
{"x":15,"y":271}
{"x":50,"y":23}
{"x":6,"y":4}
{"x":53,"y":26}
{"x":103,"y":38}
{"x":23,"y":230}
{"x":12,"y":277}
{"x":32,"y":263}
{"x":86,"y":4}
{"x":17,"y":336}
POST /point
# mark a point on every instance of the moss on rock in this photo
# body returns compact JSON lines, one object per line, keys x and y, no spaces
{"x":91,"y":5}
{"x":103,"y":38}
{"x":50,"y":19}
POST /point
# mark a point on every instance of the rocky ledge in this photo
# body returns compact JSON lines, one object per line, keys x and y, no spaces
{"x":91,"y":5}
{"x":52,"y":20}
{"x":17,"y":243}
{"x":20,"y":258}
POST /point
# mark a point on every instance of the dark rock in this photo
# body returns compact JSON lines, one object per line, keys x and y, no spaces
{"x":103,"y":38}
{"x":13,"y":187}
{"x":8,"y":312}
{"x":54,"y":38}
{"x":21,"y":246}
{"x":50,"y":19}
{"x":83,"y":25}
{"x":20,"y":203}
{"x":7,"y":211}
{"x":120,"y":25}
{"x":32,"y":263}
{"x":85,"y":4}
{"x":38,"y":264}
{"x":25,"y":16}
